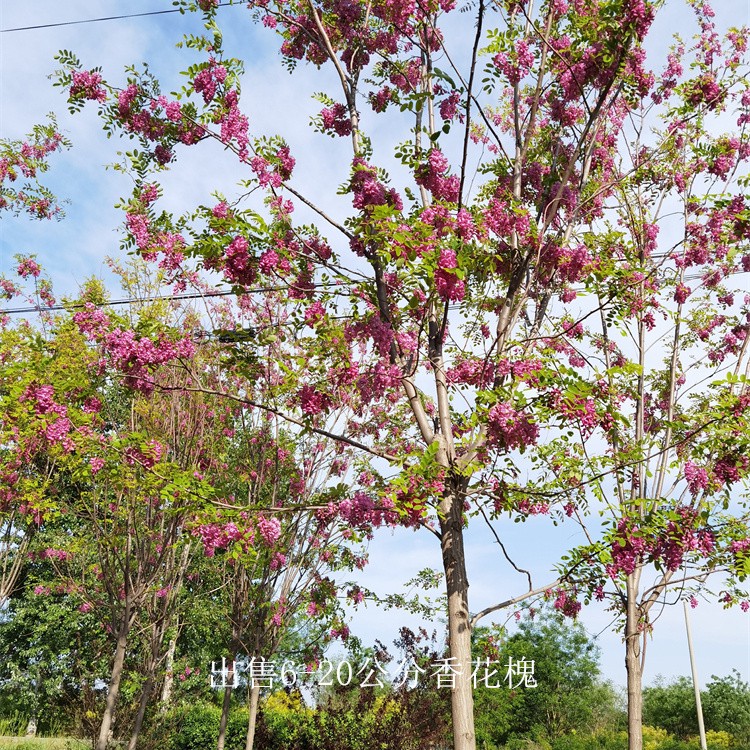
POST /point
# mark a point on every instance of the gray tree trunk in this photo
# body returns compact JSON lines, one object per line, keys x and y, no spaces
{"x":633,"y":667}
{"x":224,"y":718}
{"x":113,"y":689}
{"x":148,"y":686}
{"x":459,"y":626}
{"x":166,"y":688}
{"x":253,"y":716}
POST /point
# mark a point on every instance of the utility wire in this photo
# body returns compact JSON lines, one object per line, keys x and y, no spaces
{"x":96,"y":20}
{"x":145,"y":300}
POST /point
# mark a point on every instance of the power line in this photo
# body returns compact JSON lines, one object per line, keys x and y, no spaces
{"x":96,"y":20}
{"x":145,"y":300}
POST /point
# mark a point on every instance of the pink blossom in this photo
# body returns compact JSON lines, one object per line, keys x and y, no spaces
{"x":696,"y":476}
{"x":269,"y":529}
{"x":268,"y":261}
{"x":336,"y":120}
{"x":28,"y":267}
{"x":278,"y":561}
{"x":314,"y":314}
{"x":220,"y":210}
{"x":87,"y":85}
{"x":58,"y":429}
{"x":312,"y":401}
{"x":510,"y":429}
{"x":138,"y":226}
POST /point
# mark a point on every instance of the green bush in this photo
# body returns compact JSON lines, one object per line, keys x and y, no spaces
{"x":236,"y":729}
{"x":197,"y":727}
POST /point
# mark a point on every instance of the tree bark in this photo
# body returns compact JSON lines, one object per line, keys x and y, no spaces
{"x":224,"y":717}
{"x":166,"y":690}
{"x":113,"y":688}
{"x":459,"y":627}
{"x":633,"y":665}
{"x":253,"y":716}
{"x":148,"y":686}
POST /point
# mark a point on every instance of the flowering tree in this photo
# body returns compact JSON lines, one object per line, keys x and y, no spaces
{"x":147,"y":461}
{"x":24,"y":159}
{"x":657,"y":403}
{"x":446,"y":313}
{"x":27,"y":159}
{"x":275,"y":541}
{"x":126,"y":492}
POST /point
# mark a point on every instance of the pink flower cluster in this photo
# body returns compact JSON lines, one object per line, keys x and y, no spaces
{"x":156,"y":120}
{"x":565,"y":602}
{"x":44,"y":396}
{"x":475,"y":371}
{"x":237,"y":262}
{"x":361,"y":511}
{"x":696,"y":476}
{"x":54,"y":554}
{"x":136,"y":357}
{"x":26,"y":159}
{"x":510,"y":429}
{"x":449,"y":106}
{"x":517,"y":65}
{"x":583,"y":411}
{"x":433,"y":176}
{"x":632,"y":546}
{"x":92,"y":321}
{"x":312,"y":401}
{"x":86,"y":84}
{"x":146,"y":455}
{"x":208,"y":78}
{"x":336,"y":120}
{"x":367,"y":189}
{"x":28,"y":267}
{"x":447,"y":283}
{"x":218,"y":536}
{"x":269,"y":529}
{"x":704,"y":90}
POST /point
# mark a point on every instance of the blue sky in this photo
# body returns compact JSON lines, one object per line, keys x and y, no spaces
{"x":73,"y":249}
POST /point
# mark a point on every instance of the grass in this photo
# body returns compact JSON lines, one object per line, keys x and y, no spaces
{"x":42,"y":743}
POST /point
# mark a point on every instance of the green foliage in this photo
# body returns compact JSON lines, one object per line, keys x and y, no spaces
{"x":198,"y":727}
{"x":349,"y":719}
{"x":569,"y":696}
{"x":50,"y":655}
{"x":195,"y":726}
{"x":672,"y":707}
{"x":726,"y":709}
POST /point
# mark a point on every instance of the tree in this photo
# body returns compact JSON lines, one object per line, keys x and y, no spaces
{"x":569,"y":695}
{"x":661,"y":377}
{"x":444,"y":316}
{"x":671,"y":707}
{"x":27,"y":159}
{"x":271,"y":585}
{"x":726,"y":707}
{"x":135,"y":475}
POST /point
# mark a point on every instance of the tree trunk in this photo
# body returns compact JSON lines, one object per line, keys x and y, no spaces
{"x":459,"y":628}
{"x":633,"y":666}
{"x":166,"y":689}
{"x":253,"y":715}
{"x":224,"y":717}
{"x":148,"y":686}
{"x":113,"y":688}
